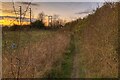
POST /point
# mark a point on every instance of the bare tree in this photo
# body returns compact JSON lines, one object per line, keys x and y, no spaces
{"x":55,"y":19}
{"x":41,"y":16}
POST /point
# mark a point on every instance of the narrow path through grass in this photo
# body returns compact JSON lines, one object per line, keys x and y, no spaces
{"x":78,"y":66}
{"x":63,"y":67}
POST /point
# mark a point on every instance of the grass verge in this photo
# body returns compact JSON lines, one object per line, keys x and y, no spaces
{"x":63,"y":68}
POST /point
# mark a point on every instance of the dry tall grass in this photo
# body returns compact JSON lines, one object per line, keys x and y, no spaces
{"x":37,"y":59}
{"x":98,"y":43}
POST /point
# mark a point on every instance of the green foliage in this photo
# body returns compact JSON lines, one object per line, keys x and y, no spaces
{"x":38,"y":24}
{"x":67,"y":63}
{"x":64,"y":69}
{"x":15,"y":27}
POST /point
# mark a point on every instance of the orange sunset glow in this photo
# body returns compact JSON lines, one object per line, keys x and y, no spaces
{"x":7,"y":21}
{"x":10,"y":22}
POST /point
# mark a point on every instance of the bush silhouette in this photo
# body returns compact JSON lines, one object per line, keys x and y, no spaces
{"x":38,"y":24}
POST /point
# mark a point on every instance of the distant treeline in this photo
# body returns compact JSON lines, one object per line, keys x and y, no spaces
{"x":34,"y":25}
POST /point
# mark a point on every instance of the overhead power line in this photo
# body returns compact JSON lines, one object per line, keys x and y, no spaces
{"x":15,"y":11}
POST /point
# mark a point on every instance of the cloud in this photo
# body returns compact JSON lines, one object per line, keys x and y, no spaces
{"x":7,"y":11}
{"x":13,"y":17}
{"x":27,"y":3}
{"x":85,"y":12}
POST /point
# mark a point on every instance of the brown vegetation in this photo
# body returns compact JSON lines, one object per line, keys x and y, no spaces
{"x":94,"y":47}
{"x":97,"y":43}
{"x":35,"y":60}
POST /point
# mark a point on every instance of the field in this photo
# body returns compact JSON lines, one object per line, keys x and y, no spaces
{"x":33,"y":55}
{"x":84,"y":48}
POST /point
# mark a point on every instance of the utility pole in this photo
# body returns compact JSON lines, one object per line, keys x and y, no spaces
{"x":20,"y":15}
{"x":30,"y":16}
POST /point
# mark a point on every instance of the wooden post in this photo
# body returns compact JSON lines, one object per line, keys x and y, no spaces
{"x":30,"y":16}
{"x":20,"y":14}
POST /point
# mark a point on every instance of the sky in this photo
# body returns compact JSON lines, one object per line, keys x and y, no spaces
{"x":65,"y":10}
